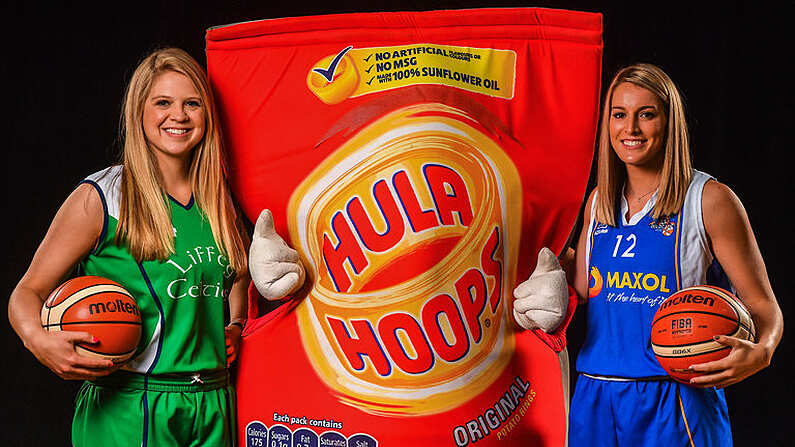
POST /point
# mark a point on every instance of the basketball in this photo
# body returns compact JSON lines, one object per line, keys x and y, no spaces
{"x":100,"y":307}
{"x":685,"y":323}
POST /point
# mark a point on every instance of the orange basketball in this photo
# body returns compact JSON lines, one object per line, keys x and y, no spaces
{"x":100,"y":307}
{"x":686,"y":322}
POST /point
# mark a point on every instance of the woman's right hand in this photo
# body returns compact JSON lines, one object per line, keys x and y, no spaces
{"x":57,"y":351}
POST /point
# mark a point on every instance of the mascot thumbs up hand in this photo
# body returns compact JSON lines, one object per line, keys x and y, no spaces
{"x":275,"y":268}
{"x":541,"y":301}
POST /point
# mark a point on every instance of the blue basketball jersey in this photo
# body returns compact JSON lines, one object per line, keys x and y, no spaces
{"x":633,"y":267}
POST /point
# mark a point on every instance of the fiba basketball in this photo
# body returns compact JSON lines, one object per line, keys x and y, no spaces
{"x":685,"y":323}
{"x":100,"y":307}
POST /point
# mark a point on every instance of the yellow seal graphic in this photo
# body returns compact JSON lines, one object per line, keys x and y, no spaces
{"x":411,"y":231}
{"x":334,"y":78}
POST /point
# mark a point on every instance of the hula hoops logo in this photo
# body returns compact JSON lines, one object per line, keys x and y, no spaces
{"x":412,"y":251}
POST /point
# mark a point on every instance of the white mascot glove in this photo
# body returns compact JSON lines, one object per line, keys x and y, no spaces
{"x":275,"y":268}
{"x":542,"y":300}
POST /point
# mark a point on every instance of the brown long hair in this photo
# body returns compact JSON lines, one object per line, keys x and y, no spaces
{"x":145,"y":218}
{"x":677,"y":171}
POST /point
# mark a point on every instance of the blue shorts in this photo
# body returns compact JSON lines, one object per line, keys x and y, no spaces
{"x":652,"y":413}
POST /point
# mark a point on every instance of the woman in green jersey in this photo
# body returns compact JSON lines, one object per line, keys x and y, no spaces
{"x":163,"y":225}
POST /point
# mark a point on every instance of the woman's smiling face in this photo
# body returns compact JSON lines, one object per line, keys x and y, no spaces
{"x":174,"y":115}
{"x":638,"y":125}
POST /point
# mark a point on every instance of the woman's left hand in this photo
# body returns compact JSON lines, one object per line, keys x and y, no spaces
{"x":232,"y":335}
{"x":745,"y":359}
{"x":732,"y":240}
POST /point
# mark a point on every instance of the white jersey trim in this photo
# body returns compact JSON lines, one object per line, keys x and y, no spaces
{"x":109,"y":181}
{"x":695,"y":256}
{"x":144,"y":362}
{"x":635,"y":218}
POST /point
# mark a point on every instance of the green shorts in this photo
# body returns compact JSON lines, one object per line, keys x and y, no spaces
{"x":129,"y":409}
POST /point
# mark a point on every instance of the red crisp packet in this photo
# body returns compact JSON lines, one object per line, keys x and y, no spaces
{"x":417,"y":162}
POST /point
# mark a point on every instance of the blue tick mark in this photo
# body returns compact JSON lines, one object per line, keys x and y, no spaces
{"x":328,"y":73}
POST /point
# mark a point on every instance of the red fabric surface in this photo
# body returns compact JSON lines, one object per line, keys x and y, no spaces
{"x":417,"y":208}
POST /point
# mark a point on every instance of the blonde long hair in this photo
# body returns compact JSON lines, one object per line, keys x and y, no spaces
{"x":145,"y":218}
{"x":677,"y":171}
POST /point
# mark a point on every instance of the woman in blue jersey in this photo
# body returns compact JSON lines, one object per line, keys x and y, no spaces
{"x":646,"y":188}
{"x":162,"y":224}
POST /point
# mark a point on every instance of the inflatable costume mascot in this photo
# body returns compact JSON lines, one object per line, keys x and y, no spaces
{"x":410,"y":167}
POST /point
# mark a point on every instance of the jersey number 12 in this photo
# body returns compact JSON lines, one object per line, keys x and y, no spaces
{"x":628,"y":253}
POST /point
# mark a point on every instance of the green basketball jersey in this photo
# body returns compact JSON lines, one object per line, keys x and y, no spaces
{"x":183,"y":300}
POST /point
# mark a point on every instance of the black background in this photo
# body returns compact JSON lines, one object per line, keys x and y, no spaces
{"x":64,"y":68}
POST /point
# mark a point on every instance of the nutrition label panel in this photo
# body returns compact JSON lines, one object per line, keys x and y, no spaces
{"x":260,"y":435}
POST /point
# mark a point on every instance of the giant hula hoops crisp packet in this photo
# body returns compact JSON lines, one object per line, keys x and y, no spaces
{"x":417,"y":162}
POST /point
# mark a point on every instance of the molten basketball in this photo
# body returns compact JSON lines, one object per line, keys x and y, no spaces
{"x":100,"y":307}
{"x":685,"y":323}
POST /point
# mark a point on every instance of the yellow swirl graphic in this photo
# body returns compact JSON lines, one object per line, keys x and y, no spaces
{"x":596,"y":288}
